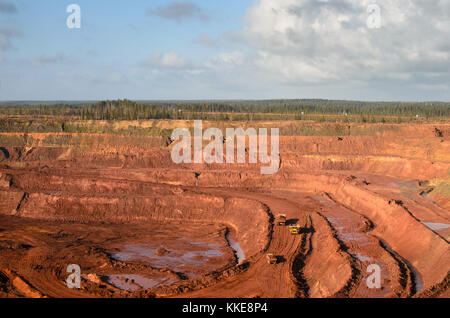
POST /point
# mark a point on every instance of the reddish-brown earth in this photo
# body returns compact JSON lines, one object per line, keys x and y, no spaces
{"x":141,"y":226}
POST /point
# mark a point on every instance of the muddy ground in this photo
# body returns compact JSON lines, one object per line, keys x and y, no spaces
{"x":139,"y":225}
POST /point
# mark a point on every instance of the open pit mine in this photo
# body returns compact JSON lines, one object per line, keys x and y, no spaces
{"x":139,"y":225}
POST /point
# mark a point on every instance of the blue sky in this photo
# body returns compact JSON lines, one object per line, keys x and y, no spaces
{"x":249,"y":49}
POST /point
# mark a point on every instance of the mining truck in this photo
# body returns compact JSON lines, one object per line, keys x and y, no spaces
{"x":281,"y":219}
{"x":271,"y":259}
{"x":294,"y":229}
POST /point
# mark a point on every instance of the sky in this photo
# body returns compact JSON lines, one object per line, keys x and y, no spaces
{"x":226,"y":49}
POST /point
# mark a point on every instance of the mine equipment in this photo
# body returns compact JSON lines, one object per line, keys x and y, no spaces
{"x":281,"y":219}
{"x":271,"y":259}
{"x":294,"y":229}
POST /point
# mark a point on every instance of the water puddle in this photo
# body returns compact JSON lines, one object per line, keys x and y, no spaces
{"x":132,"y":282}
{"x":234,"y":244}
{"x":189,"y":259}
{"x":425,"y":195}
{"x":362,"y":258}
{"x":407,"y":185}
{"x":344,"y":230}
{"x":436,"y":226}
{"x":345,"y":233}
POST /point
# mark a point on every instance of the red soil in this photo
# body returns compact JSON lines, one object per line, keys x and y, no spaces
{"x":364,"y":196}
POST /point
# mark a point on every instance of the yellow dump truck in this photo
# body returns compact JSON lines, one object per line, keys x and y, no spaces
{"x":281,"y":219}
{"x":271,"y":259}
{"x":295,"y":229}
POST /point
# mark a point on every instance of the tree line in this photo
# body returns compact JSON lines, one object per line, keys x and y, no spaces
{"x":131,"y":110}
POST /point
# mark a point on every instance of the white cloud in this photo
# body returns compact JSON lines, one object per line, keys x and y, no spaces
{"x":234,"y":58}
{"x":206,"y":41}
{"x":171,"y":60}
{"x":308,"y":41}
{"x":225,"y":61}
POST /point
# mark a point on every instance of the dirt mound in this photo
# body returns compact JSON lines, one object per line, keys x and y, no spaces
{"x":329,"y":270}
